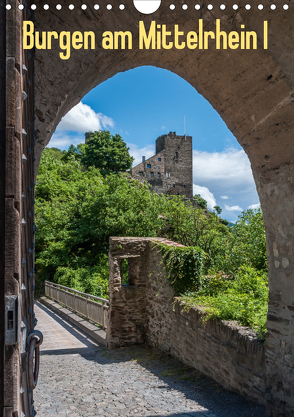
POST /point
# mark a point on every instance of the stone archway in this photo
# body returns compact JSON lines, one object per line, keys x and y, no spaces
{"x":252,"y":90}
{"x":253,"y":93}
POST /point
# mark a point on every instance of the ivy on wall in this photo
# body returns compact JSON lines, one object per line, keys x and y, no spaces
{"x":183,"y":267}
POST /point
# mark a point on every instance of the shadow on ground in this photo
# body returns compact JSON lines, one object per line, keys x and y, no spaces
{"x":172,"y":376}
{"x":177,"y":376}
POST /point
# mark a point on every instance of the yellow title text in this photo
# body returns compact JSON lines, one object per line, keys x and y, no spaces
{"x":155,"y":36}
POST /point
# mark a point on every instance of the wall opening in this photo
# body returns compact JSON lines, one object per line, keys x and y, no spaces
{"x":124,"y":268}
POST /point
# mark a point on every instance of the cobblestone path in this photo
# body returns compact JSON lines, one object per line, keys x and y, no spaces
{"x":81,"y":378}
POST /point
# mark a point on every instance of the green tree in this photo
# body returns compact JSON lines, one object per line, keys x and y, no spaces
{"x":200,"y":201}
{"x":75,"y":152}
{"x":217,"y":209}
{"x":78,"y":210}
{"x":56,"y":153}
{"x":244,"y":245}
{"x":107,"y":152}
{"x":249,"y":234}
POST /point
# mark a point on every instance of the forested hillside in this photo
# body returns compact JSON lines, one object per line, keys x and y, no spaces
{"x":79,"y":206}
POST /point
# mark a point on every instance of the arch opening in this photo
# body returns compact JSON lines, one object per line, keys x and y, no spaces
{"x":178,"y":156}
{"x":91,"y":115}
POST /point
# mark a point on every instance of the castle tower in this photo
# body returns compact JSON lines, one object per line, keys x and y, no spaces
{"x":169,"y":171}
{"x":88,"y":135}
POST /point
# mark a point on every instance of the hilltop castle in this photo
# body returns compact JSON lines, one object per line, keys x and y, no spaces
{"x":169,"y":171}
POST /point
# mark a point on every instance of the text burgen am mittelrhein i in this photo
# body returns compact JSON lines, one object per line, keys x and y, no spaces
{"x":155,"y":37}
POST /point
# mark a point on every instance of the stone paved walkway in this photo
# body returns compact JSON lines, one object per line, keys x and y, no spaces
{"x":81,"y":378}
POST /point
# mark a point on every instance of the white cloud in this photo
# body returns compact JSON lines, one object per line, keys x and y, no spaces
{"x":233,"y":208}
{"x":137,"y":153}
{"x":254,"y":206}
{"x":230,"y":167}
{"x":82,"y":118}
{"x":62,"y":141}
{"x":206,"y":194}
{"x":226,"y":174}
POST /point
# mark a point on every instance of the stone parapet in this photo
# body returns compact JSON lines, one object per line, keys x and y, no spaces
{"x":145,"y":311}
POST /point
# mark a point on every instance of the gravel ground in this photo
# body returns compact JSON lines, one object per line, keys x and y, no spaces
{"x":81,"y":378}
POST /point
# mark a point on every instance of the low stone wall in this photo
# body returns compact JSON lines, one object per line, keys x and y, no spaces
{"x":146,"y":311}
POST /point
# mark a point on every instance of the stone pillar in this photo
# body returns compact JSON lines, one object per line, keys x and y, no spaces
{"x":127,"y":312}
{"x":276,"y":190}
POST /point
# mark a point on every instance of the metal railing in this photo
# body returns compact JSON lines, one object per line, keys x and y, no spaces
{"x":87,"y":305}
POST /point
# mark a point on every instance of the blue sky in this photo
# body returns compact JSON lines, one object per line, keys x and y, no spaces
{"x":146,"y":102}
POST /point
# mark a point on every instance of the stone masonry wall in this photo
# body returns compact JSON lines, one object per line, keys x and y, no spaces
{"x":141,"y":172}
{"x":146,"y":311}
{"x":128,"y":302}
{"x":180,"y":167}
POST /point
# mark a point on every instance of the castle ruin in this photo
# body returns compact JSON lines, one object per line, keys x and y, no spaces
{"x":169,"y":170}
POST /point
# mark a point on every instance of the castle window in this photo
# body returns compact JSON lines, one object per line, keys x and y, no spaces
{"x":129,"y":272}
{"x":174,"y":185}
{"x":148,"y":165}
{"x":184,"y":186}
{"x":158,"y":167}
{"x":159,"y":159}
{"x":141,"y":173}
{"x":158,"y":174}
{"x":151,"y":174}
{"x":167,"y":175}
{"x":176,"y":155}
{"x":124,"y":271}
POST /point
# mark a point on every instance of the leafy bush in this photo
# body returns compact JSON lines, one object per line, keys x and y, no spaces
{"x":245,"y":244}
{"x":89,"y":280}
{"x":243,"y":298}
{"x":200,"y":201}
